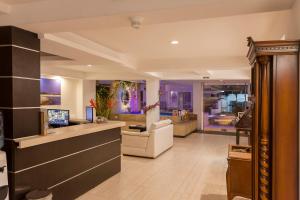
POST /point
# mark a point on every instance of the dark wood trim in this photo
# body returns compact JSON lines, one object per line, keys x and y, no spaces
{"x":285,"y":140}
{"x":75,"y":187}
{"x":28,"y":157}
{"x":20,"y":92}
{"x":256,"y":133}
{"x":264,"y":139}
{"x":275,"y":80}
{"x":20,"y":37}
{"x":21,"y":122}
{"x":52,"y":173}
{"x":68,"y":161}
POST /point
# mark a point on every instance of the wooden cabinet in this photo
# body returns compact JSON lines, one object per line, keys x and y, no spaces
{"x":275,"y":91}
{"x":239,"y":174}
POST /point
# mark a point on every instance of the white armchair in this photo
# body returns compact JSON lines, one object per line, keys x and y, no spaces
{"x":149,"y":143}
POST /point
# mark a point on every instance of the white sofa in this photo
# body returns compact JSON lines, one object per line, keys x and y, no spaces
{"x":149,"y":143}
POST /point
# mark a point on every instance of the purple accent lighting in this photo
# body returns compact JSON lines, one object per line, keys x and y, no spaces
{"x":50,"y":86}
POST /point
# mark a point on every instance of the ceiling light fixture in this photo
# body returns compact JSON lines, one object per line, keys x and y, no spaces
{"x":136,"y":21}
{"x":89,"y":65}
{"x":174,"y":42}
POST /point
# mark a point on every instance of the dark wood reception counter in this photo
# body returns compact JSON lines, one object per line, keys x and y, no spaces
{"x":69,"y":162}
{"x":66,"y":133}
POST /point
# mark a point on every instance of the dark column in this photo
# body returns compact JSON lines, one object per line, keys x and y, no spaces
{"x":20,"y":89}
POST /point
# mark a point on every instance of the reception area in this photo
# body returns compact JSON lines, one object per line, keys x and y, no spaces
{"x":68,"y":160}
{"x":152,"y":100}
{"x":59,"y":151}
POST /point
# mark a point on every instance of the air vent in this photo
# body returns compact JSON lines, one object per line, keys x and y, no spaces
{"x":206,"y":77}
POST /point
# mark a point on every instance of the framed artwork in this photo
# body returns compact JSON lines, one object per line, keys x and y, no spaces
{"x":50,"y":91}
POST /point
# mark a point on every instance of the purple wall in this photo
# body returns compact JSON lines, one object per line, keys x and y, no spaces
{"x":50,"y":90}
{"x":176,"y":94}
{"x":50,"y":86}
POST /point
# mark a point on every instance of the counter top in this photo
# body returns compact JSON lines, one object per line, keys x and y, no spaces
{"x":67,"y":132}
{"x":237,"y":152}
{"x":240,"y":155}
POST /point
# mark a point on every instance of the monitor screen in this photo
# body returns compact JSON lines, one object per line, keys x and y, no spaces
{"x":58,"y":117}
{"x":89,"y":114}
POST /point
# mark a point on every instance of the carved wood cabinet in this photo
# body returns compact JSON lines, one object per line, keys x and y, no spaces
{"x":275,"y":93}
{"x":238,"y":175}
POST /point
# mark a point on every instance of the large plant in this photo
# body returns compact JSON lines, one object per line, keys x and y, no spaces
{"x":105,"y":97}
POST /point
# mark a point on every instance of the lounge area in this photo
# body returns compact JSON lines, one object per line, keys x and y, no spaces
{"x":151,"y":143}
{"x":182,"y":127}
{"x":149,"y":100}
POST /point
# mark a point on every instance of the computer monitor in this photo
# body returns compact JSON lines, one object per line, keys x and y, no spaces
{"x":58,"y":117}
{"x":89,"y":114}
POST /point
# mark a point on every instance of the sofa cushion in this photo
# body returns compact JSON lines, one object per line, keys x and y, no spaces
{"x":160,"y":124}
{"x":136,"y":133}
{"x":135,"y":141}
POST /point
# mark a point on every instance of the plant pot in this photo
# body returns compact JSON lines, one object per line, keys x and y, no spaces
{"x":101,"y":119}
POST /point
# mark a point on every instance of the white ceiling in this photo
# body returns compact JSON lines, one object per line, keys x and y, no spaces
{"x":14,"y":2}
{"x":214,"y":37}
{"x":211,"y":33}
{"x":102,"y":14}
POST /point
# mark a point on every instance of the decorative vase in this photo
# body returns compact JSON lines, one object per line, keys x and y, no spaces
{"x":101,"y":119}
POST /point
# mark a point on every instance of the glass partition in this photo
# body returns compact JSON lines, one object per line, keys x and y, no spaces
{"x":222,"y":104}
{"x":175,"y":95}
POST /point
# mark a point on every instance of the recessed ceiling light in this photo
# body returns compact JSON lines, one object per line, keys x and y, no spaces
{"x":89,"y":65}
{"x":174,"y":42}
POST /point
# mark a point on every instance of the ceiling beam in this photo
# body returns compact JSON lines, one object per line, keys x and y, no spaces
{"x":118,"y":76}
{"x":88,"y":47}
{"x":196,"y":64}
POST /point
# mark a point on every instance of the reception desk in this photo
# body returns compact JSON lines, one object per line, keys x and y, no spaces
{"x":69,"y":161}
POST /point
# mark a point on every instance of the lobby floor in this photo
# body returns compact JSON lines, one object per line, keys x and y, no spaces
{"x":194,"y":168}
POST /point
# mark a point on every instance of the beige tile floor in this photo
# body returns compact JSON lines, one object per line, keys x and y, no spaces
{"x":193,"y":169}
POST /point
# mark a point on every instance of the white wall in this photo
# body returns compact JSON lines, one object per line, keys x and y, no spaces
{"x":88,"y":93}
{"x":70,"y":89}
{"x":296,"y":18}
{"x":198,"y":103}
{"x":72,"y":94}
{"x":152,"y":97}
